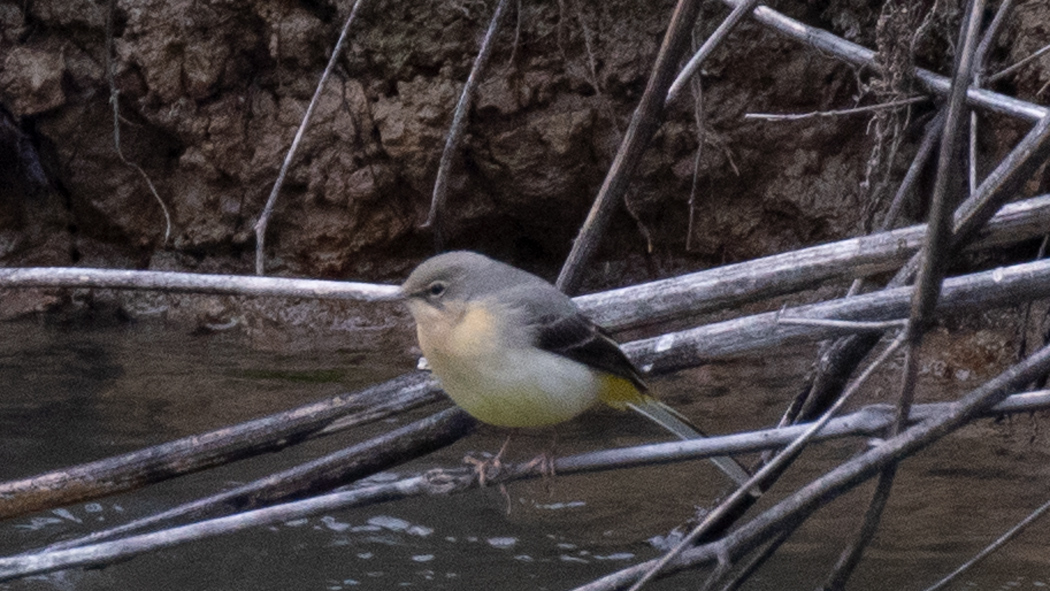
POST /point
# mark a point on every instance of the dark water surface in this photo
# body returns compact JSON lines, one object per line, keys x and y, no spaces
{"x":73,"y":393}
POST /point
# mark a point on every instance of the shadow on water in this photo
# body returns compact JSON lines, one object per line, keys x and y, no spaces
{"x":52,"y":382}
{"x":73,"y":393}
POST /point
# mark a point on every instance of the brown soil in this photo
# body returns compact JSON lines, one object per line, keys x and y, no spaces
{"x":211,"y":94}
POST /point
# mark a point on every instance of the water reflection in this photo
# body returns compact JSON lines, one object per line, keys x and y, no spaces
{"x":74,"y":393}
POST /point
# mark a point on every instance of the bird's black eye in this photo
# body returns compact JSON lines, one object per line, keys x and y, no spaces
{"x":436,"y":289}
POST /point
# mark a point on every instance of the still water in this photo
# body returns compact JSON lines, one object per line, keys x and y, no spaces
{"x":77,"y":391}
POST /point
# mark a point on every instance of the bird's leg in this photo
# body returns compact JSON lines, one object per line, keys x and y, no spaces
{"x":489,"y":468}
{"x":545,"y":463}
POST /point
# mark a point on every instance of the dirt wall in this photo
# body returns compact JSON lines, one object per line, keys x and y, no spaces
{"x":210,"y":94}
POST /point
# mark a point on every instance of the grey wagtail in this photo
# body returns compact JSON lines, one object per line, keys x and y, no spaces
{"x":513,"y":351}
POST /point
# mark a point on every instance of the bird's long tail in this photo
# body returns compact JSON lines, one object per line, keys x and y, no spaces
{"x":673,"y":421}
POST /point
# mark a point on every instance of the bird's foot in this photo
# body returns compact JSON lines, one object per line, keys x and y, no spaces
{"x":544,"y":463}
{"x":486,"y":468}
{"x":489,"y":468}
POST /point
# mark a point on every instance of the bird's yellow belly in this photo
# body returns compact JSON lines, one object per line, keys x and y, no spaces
{"x":519,"y":387}
{"x":503,"y":382}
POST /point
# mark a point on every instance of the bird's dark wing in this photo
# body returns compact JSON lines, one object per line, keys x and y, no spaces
{"x":576,"y":337}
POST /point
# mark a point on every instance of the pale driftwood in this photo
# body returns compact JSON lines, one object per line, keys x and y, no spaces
{"x":199,"y":283}
{"x":768,"y":472}
{"x":627,"y":307}
{"x":800,"y":505}
{"x":732,"y":285}
{"x":838,"y":360}
{"x":869,"y":421}
{"x":189,"y":454}
{"x":688,"y":348}
{"x":264,"y":217}
{"x":320,"y":475}
{"x":862,"y":56}
{"x":644,"y":123}
{"x":655,"y":355}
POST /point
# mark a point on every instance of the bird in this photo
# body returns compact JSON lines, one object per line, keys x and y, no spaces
{"x":512,"y":350}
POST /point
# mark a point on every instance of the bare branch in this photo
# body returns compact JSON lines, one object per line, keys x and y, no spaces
{"x":644,"y":123}
{"x":998,"y":543}
{"x":264,"y":218}
{"x":724,"y":29}
{"x":835,"y":113}
{"x":459,"y":122}
{"x":199,"y":283}
{"x":1020,"y":64}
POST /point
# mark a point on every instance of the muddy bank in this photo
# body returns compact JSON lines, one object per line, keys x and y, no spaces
{"x":211,"y":93}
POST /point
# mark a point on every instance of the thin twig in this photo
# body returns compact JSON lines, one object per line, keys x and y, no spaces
{"x":697,"y":88}
{"x":264,"y":218}
{"x":850,"y":557}
{"x":998,"y":543}
{"x":197,"y":283}
{"x":980,"y":59}
{"x":617,"y":309}
{"x":517,"y":35}
{"x":644,"y":123}
{"x":836,"y":113}
{"x":1013,"y":68}
{"x":929,"y":141}
{"x":459,"y":124}
{"x":980,"y":64}
{"x":758,"y":560}
{"x":114,"y":101}
{"x":724,"y":29}
{"x":588,"y":44}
